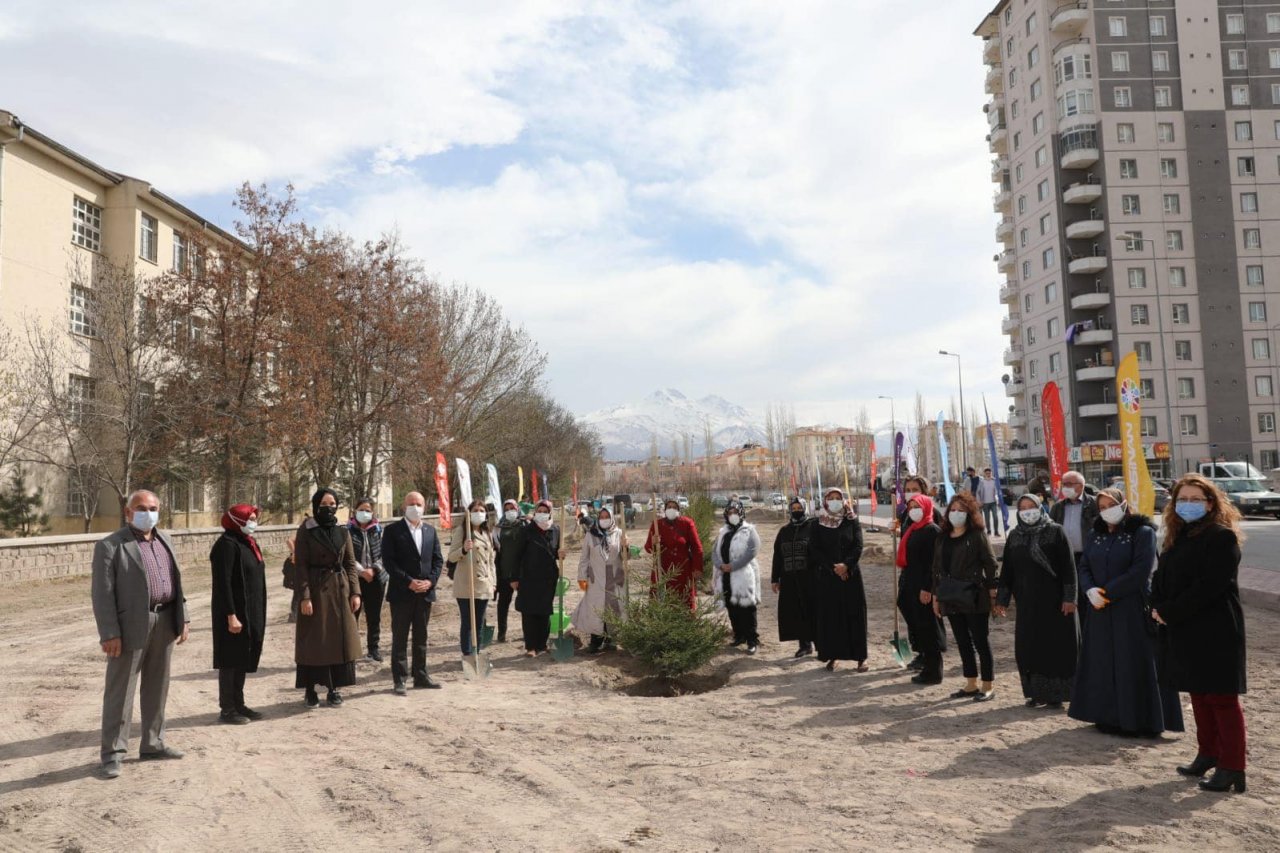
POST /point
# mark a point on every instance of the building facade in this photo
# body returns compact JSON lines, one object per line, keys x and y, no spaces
{"x":1137,"y":163}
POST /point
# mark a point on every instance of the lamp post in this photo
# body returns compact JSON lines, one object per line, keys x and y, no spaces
{"x":964,"y":435}
{"x":1131,"y":238}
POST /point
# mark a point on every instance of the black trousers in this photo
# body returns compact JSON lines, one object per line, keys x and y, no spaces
{"x":743,"y":622}
{"x":505,"y":594}
{"x":407,"y":617}
{"x":971,"y":632}
{"x":925,"y":628}
{"x":230,"y":689}
{"x":372,"y":594}
{"x":537,"y":630}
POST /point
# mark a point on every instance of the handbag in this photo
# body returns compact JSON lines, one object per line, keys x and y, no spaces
{"x":958,"y":595}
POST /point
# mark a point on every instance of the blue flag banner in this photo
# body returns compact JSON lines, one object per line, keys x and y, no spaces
{"x":995,"y":465}
{"x":944,"y":480}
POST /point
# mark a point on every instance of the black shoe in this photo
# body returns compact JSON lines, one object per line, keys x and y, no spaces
{"x":374,"y":656}
{"x":1202,"y":765}
{"x":425,"y":684}
{"x":1053,"y":706}
{"x":233,"y":718}
{"x":161,"y":754}
{"x":736,"y":642}
{"x":752,"y":648}
{"x":916,"y":664}
{"x":985,"y":696}
{"x":965,"y":694}
{"x":925,"y":678}
{"x":610,"y":646}
{"x":334,"y":699}
{"x":312,"y":700}
{"x":1224,"y":780}
{"x":249,"y":713}
{"x":502,"y":638}
{"x":1032,"y":703}
{"x":399,"y":689}
{"x":804,"y":651}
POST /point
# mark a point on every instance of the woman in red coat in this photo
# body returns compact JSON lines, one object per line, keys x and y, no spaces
{"x":681,"y":552}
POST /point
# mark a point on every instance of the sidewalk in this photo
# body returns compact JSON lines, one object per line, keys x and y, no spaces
{"x":1260,"y":588}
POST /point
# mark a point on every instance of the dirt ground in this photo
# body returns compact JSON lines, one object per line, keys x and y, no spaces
{"x":550,"y":756}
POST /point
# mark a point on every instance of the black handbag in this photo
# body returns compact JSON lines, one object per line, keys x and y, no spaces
{"x":958,"y":595}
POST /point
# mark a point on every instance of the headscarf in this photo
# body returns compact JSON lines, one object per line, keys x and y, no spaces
{"x":599,"y":533}
{"x":732,"y":506}
{"x":925,"y":503}
{"x":1039,"y":502}
{"x":315,"y":505}
{"x":804,"y":509}
{"x":235,"y":518}
{"x":825,"y":518}
{"x":542,"y":503}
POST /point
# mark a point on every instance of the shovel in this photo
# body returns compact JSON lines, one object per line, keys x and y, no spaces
{"x":477,"y":664}
{"x":561,"y":646}
{"x":901,"y":647}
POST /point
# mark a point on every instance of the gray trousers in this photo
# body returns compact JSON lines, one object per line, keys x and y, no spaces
{"x":152,"y":663}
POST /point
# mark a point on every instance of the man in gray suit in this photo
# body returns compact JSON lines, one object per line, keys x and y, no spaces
{"x":140,"y":611}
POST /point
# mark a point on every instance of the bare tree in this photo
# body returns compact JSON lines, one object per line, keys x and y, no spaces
{"x":19,"y":409}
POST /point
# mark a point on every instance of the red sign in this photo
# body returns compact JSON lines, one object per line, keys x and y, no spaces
{"x":875,"y":502}
{"x":1055,"y":434}
{"x":442,"y":492}
{"x":534,"y":477}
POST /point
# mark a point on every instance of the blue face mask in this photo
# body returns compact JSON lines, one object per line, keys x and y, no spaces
{"x":1190,"y":510}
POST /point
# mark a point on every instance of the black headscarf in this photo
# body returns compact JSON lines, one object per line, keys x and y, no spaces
{"x":315,"y":506}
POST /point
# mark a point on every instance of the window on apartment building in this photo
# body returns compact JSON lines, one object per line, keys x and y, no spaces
{"x":1253,"y":275}
{"x":1158,"y":28}
{"x":1244,"y":131}
{"x":1042,"y":157}
{"x":1055,"y":363}
{"x":83,"y":309}
{"x":1147,"y":426}
{"x":1128,"y":169}
{"x":1037,"y":435}
{"x":1143,"y":350}
{"x":1257,"y":312}
{"x":1160,"y":60}
{"x":1123,"y":97}
{"x":1261,"y":348}
{"x":1053,"y":328}
{"x":1125,"y":134}
{"x":1013,"y":77}
{"x":1120,"y":60}
{"x":1026,"y":270}
{"x":1017,"y":174}
{"x":86,"y":224}
{"x":1177,"y":276}
{"x":1139,"y":315}
{"x":1273,"y":22}
{"x":1042,"y":190}
{"x":1031,"y":335}
{"x":1186,"y":388}
{"x":1181,"y":313}
{"x":148,"y":238}
{"x":1037,"y":123}
{"x":1275,"y":93}
{"x":1137,"y":278}
{"x":1031,"y":23}
{"x":1027,"y":303}
{"x":1245,"y":167}
{"x":1235,"y":25}
{"x":1275,"y":129}
{"x":1240,"y":96}
{"x":1269,"y":459}
{"x":1037,"y":89}
{"x":1050,"y":293}
{"x":181,"y":252}
{"x":1164,"y":96}
{"x":1168,"y":167}
{"x":1130,"y":206}
{"x":1266,"y":422}
{"x":1033,"y":369}
{"x":77,"y":497}
{"x":1046,"y":222}
{"x":1022,"y":205}
{"x":1262,"y":386}
{"x":1118,"y":27}
{"x":1237,"y":60}
{"x":1164,"y":131}
{"x":1072,"y":67}
{"x":1182,"y":350}
{"x":1022,"y":238}
{"x":1017,"y":141}
{"x":1273,"y":57}
{"x":1253,"y":238}
{"x":1008,"y":47}
{"x":81,"y":391}
{"x":1188,"y":425}
{"x":1172,"y":204}
{"x":1173,"y":240}
{"x":1076,"y":102}
{"x":1047,"y":259}
{"x":1248,"y":202}
{"x":1035,"y":404}
{"x":1033,"y":56}
{"x":1147,"y":389}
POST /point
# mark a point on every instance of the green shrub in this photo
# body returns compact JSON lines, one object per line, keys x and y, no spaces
{"x":708,"y":521}
{"x":662,"y":632}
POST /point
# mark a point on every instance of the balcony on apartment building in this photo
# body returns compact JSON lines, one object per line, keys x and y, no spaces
{"x":1092,"y":300}
{"x":1097,"y":332}
{"x":1000,"y":171}
{"x":1009,"y":292}
{"x":1004,"y":229}
{"x":1011,"y":324}
{"x":1079,"y":147}
{"x":1002,"y":201}
{"x":1006,"y":261}
{"x":1087,"y":263}
{"x":1087,"y":228}
{"x":991,"y":51}
{"x":1018,"y":418}
{"x":1013,"y":385}
{"x":1097,"y":410}
{"x":1019,"y":454}
{"x":994,"y":81}
{"x":1085,"y":192}
{"x":1013,"y":355}
{"x":1069,"y":19}
{"x":1095,"y":373}
{"x":998,"y":139}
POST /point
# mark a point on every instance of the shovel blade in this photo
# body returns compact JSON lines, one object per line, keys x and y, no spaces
{"x":476,"y":666}
{"x":562,"y":648}
{"x":901,"y":650}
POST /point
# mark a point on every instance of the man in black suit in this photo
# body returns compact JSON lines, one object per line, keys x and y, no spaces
{"x":411,"y":555}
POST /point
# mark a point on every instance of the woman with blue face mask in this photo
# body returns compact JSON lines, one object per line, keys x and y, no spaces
{"x":1116,"y":687}
{"x":1039,"y":573}
{"x":1196,"y":600}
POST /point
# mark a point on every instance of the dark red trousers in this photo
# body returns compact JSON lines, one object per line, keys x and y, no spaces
{"x":1220,"y":728}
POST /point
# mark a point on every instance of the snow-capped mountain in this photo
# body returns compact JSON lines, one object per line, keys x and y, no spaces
{"x":627,"y":431}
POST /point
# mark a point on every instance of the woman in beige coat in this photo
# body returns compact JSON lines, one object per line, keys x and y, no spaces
{"x":602,"y":579}
{"x":475,"y":575}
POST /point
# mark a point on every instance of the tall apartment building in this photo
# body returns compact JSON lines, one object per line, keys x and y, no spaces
{"x":1137,"y":147}
{"x":929,"y":454}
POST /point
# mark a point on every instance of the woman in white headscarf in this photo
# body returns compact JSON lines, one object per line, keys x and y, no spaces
{"x":602,"y":579}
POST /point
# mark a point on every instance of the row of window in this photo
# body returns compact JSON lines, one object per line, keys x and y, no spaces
{"x":1140,"y":314}
{"x":1118,"y":27}
{"x":1131,"y":205}
{"x":86,"y":232}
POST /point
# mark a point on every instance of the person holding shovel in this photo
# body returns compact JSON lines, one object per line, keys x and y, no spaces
{"x":793,"y":580}
{"x":474,"y":577}
{"x":536,"y":577}
{"x":680,"y":552}
{"x":601,"y":576}
{"x":834,"y":551}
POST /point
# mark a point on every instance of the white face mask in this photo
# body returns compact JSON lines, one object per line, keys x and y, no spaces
{"x":542,"y":519}
{"x":511,"y":514}
{"x":478,"y":518}
{"x":1113,"y":514}
{"x":672,"y":514}
{"x":835,"y":505}
{"x":248,"y":528}
{"x":606,"y":523}
{"x":958,"y":519}
{"x":1028,"y":516}
{"x":364,"y":516}
{"x":734,"y":519}
{"x":144,"y":520}
{"x":1068,"y":493}
{"x":915,"y":513}
{"x":413,"y":512}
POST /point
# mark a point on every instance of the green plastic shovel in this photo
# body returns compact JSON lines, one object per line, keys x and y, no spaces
{"x":561,"y":646}
{"x":901,"y":648}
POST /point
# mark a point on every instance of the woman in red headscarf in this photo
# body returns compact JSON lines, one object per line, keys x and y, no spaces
{"x":239,"y":610}
{"x":915,"y":585}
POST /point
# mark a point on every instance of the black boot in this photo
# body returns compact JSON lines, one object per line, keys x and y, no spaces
{"x":312,"y":700}
{"x":596,"y":642}
{"x":1224,"y":780}
{"x":917,"y":663}
{"x":1202,"y":765}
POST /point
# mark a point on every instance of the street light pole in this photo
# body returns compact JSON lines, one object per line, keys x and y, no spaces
{"x":964,"y":435}
{"x":893,"y":430}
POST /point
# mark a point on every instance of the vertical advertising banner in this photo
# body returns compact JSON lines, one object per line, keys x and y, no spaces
{"x":442,"y":492}
{"x":1138,"y":489}
{"x":1055,"y":434}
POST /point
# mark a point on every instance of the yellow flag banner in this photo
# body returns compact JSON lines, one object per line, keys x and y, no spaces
{"x":520,"y":480}
{"x":1139,"y":491}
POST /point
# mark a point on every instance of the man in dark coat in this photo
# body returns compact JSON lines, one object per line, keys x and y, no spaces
{"x":1075,"y":514}
{"x":411,"y":555}
{"x":793,"y":581}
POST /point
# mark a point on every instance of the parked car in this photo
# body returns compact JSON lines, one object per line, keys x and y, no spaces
{"x":682,"y":501}
{"x":746,"y":501}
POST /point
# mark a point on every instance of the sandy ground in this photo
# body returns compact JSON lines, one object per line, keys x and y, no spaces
{"x":552,"y":756}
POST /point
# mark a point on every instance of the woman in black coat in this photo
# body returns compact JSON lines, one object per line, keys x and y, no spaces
{"x":1039,"y":571}
{"x":964,"y":586}
{"x":915,"y":586}
{"x":536,"y":578}
{"x":793,"y":580}
{"x":239,"y":610}
{"x":835,"y":547}
{"x":1194,"y":595}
